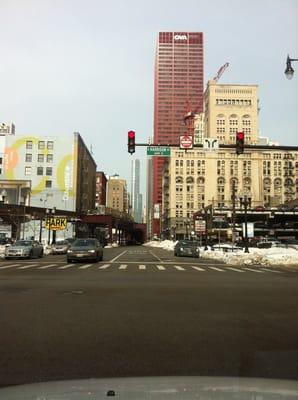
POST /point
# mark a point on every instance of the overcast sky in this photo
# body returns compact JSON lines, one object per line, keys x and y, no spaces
{"x":87,"y":65}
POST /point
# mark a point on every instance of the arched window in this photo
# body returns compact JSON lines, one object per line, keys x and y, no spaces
{"x":189,"y":179}
{"x":179,"y":179}
{"x":200,"y":181}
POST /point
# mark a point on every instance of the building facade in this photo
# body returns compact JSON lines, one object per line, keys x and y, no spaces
{"x":195,"y":179}
{"x":117,"y":197}
{"x":230,"y":109}
{"x":136,"y":196}
{"x":100,"y":189}
{"x":59,"y":170}
{"x":178,"y":83}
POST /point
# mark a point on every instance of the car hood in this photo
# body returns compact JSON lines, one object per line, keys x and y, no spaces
{"x":81,"y":248}
{"x":177,"y":388}
{"x":19,"y":247}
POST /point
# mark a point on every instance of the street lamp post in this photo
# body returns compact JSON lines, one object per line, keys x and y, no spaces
{"x":289,"y":71}
{"x":245,"y":201}
{"x":50,"y":211}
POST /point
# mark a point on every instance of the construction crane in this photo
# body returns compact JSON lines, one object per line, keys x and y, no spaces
{"x":221,"y":71}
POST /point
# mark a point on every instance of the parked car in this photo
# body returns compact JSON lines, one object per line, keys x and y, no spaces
{"x":267,"y":244}
{"x":187,"y":248}
{"x":85,"y":249}
{"x":24,"y":249}
{"x":60,"y":247}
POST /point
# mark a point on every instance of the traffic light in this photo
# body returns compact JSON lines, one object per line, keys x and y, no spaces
{"x":239,"y":143}
{"x":131,"y":142}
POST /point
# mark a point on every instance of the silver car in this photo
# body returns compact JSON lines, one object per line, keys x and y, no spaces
{"x":24,"y":249}
{"x":60,"y":247}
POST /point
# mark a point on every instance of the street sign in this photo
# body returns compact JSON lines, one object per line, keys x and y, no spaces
{"x":200,"y":226}
{"x":186,"y":142}
{"x":158,"y":151}
{"x":210,"y":144}
{"x":56,"y":223}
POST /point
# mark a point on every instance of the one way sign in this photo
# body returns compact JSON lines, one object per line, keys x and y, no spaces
{"x":210,"y":144}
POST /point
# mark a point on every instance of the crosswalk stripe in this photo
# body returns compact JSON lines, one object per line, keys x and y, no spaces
{"x":142,"y":266}
{"x":160,"y":267}
{"x":272,"y":270}
{"x":85,"y":266}
{"x":105,"y":266}
{"x":235,"y":269}
{"x":198,"y":268}
{"x":28,"y":266}
{"x":66,"y":266}
{"x":254,"y":270}
{"x":217,"y":269}
{"x":47,"y":266}
{"x":9,"y":266}
{"x":123,"y":266}
{"x":179,"y":268}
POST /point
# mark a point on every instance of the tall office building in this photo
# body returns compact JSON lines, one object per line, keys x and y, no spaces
{"x":136,"y":197}
{"x":178,"y":83}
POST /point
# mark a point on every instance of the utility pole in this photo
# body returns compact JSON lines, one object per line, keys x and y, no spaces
{"x":233,"y":211}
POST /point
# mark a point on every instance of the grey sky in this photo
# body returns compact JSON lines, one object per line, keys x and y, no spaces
{"x":87,"y":66}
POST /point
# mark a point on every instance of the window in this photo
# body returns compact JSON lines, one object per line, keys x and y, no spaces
{"x":50,"y":145}
{"x":0,"y":160}
{"x":49,"y":171}
{"x":28,"y":157}
{"x":41,"y":145}
{"x":27,"y":170}
{"x":48,"y":184}
{"x":49,"y":158}
{"x":39,"y":170}
{"x":29,"y":144}
{"x":40,"y":158}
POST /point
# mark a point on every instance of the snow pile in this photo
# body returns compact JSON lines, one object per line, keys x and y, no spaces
{"x":264,"y":257}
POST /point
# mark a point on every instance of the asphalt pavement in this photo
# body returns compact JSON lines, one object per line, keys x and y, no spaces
{"x":143,"y":312}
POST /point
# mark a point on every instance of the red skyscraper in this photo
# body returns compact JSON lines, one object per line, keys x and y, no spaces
{"x":179,"y":84}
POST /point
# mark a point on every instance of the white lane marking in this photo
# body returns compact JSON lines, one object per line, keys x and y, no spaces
{"x":105,"y":266}
{"x":48,"y":266}
{"x":217,"y":269}
{"x":154,"y":255}
{"x":179,"y":268}
{"x":235,"y":269}
{"x":198,"y":268}
{"x":27,"y":266}
{"x":142,"y":266}
{"x":272,"y":270}
{"x":9,"y":266}
{"x":85,"y":266}
{"x":123,"y":266}
{"x":119,"y":255}
{"x":254,"y":270}
{"x":160,"y":267}
{"x":66,"y":266}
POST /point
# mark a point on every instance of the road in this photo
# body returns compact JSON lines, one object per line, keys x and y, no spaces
{"x":143,"y":312}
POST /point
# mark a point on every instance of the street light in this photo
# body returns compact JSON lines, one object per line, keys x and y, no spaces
{"x":289,"y":71}
{"x":245,"y":201}
{"x":50,"y":211}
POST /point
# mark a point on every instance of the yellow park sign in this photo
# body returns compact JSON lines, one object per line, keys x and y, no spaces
{"x":56,"y":223}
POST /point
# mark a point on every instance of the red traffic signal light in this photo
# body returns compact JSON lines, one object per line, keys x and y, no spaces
{"x":239,"y":143}
{"x":131,"y":142}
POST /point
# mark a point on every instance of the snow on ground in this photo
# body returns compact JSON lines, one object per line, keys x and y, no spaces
{"x":264,"y":257}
